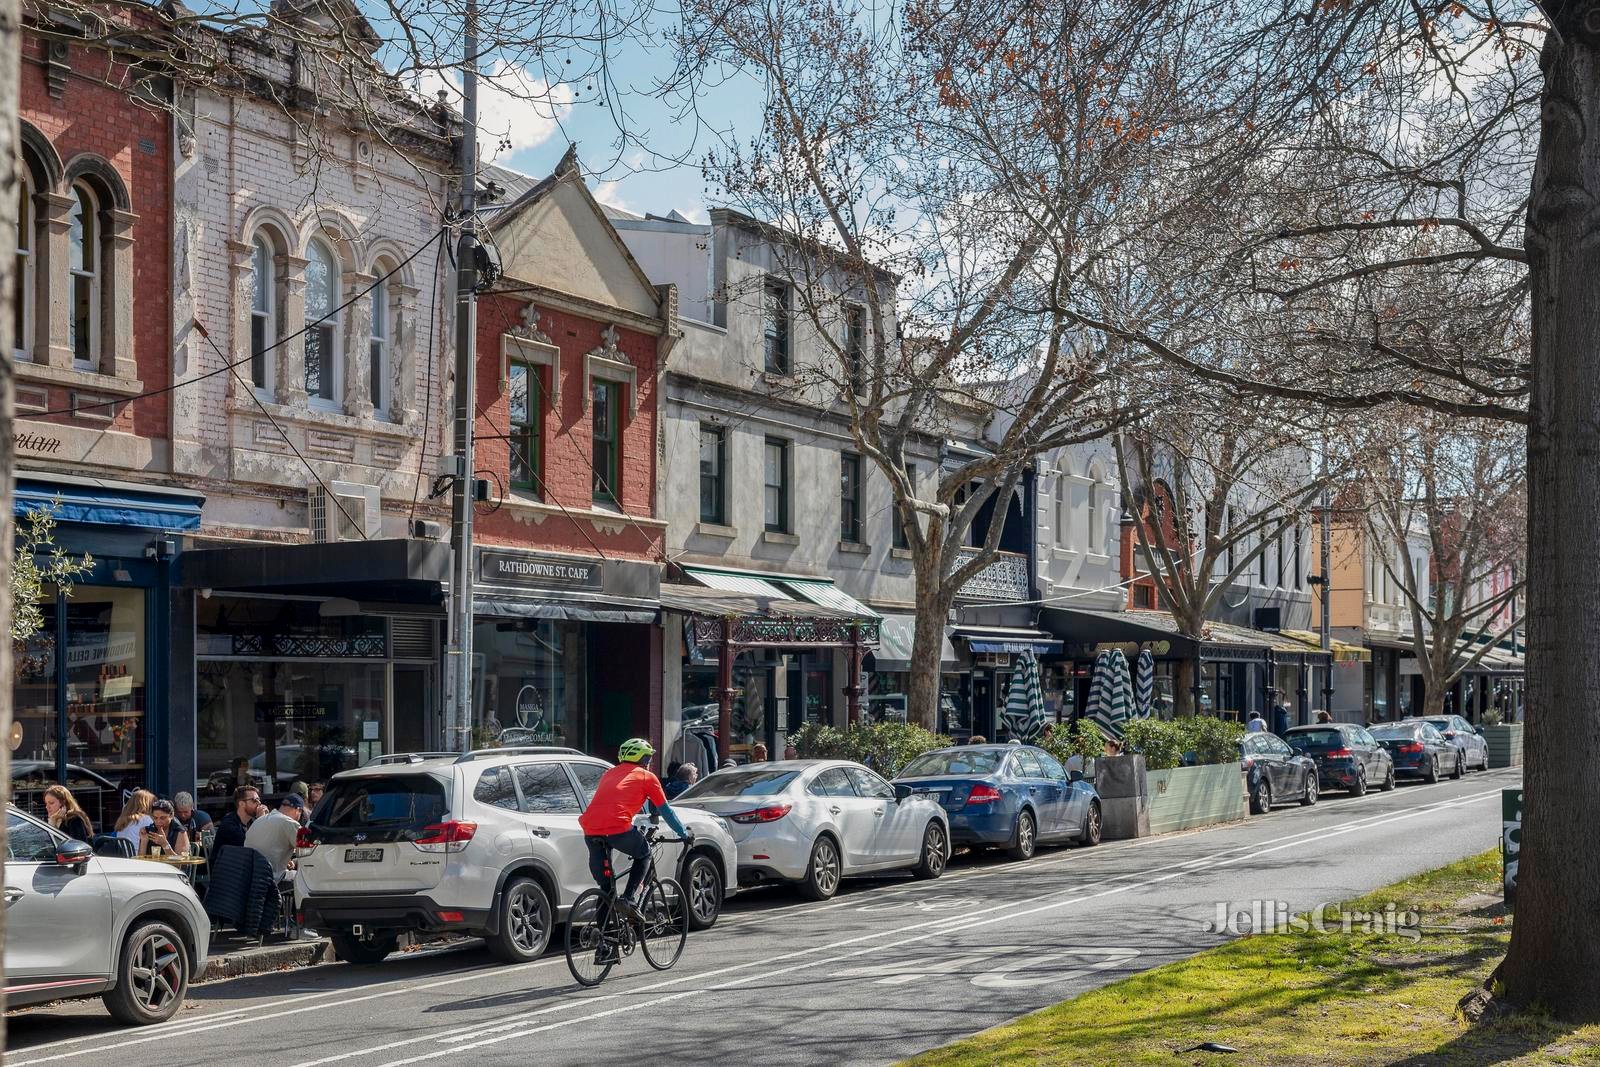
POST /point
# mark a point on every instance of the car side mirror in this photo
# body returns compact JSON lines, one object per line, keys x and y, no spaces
{"x":1074,"y":776}
{"x":902,"y":792}
{"x":73,"y":853}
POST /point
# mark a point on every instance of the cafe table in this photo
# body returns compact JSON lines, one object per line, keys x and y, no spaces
{"x":186,"y":864}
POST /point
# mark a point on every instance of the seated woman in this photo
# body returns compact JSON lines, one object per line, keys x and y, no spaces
{"x":62,"y":809}
{"x":135,"y":816}
{"x":156,"y":839}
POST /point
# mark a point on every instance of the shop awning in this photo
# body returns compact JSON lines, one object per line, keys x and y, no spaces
{"x":98,"y":502}
{"x":340,"y":567}
{"x":1343,"y":651}
{"x":1086,"y":628}
{"x":724,"y":603}
{"x":1007,"y":639}
{"x":736,"y":582}
{"x":895,"y":637}
{"x":830,"y":596}
{"x":572,"y":609}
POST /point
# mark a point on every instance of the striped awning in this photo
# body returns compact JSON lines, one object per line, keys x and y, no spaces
{"x":830,"y":596}
{"x":737,"y":582}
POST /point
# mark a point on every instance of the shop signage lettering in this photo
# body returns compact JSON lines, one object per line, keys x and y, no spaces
{"x":528,"y":570}
{"x":295,"y":710}
{"x":38,"y":444}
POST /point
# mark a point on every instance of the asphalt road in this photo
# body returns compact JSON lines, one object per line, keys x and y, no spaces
{"x":886,"y":969}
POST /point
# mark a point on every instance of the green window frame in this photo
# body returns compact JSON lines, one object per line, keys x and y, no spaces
{"x":526,"y":428}
{"x":606,"y":436}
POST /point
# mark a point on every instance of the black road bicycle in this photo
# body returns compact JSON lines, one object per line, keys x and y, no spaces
{"x":599,"y":936}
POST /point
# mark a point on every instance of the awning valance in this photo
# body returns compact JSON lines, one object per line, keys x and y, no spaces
{"x":1013,"y":639}
{"x":895,"y":637}
{"x":566,"y":610}
{"x":97,"y":502}
{"x":1343,"y":651}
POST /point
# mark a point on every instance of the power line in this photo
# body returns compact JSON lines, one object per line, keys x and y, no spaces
{"x":228,"y":367}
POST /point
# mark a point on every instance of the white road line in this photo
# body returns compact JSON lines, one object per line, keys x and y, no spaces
{"x":463,"y":1040}
{"x":396,"y":987}
{"x":768,"y":973}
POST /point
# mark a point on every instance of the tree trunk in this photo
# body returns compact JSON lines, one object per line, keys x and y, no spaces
{"x":1183,"y":702}
{"x":933,"y":607}
{"x":10,"y":100}
{"x":1554,"y":960}
{"x":1433,"y":699}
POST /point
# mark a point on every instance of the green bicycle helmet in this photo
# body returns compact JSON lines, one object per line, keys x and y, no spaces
{"x":635,"y":750}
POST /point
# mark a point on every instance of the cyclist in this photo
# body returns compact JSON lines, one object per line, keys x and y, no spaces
{"x":607,"y":823}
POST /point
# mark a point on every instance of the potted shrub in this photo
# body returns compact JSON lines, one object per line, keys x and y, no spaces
{"x":1504,"y":740}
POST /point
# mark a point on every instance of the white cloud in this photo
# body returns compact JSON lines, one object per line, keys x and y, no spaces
{"x":610,"y":194}
{"x":516,"y":111}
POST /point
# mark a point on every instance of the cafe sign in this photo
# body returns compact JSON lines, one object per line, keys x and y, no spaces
{"x":534,"y":570}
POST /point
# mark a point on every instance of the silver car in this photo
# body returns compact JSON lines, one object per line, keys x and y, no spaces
{"x":485,"y":844}
{"x":81,"y":925}
{"x":815,"y":822}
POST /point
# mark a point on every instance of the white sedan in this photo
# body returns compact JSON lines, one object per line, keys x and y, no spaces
{"x":815,"y":822}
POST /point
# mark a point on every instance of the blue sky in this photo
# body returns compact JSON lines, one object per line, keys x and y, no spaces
{"x":663,"y":175}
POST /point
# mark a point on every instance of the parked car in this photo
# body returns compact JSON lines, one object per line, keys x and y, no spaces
{"x":815,"y":822}
{"x":1347,"y":756}
{"x":81,"y":925}
{"x":1014,"y":797}
{"x":1471,"y":749}
{"x":485,"y":843}
{"x":1419,"y":750}
{"x":98,"y":795}
{"x":1274,"y":771}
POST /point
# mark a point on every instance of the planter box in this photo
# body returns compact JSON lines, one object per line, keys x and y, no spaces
{"x":1505,"y":744}
{"x":1185,"y":797}
{"x":1124,"y":803}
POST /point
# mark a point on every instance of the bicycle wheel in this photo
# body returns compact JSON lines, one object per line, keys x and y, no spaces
{"x":663,"y":923}
{"x":592,"y":950}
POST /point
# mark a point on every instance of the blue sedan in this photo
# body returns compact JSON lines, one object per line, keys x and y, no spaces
{"x":1014,"y":797}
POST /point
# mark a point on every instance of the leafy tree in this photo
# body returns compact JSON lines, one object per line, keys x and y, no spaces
{"x":37,"y":562}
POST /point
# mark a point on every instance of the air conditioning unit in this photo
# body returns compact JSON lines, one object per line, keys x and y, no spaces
{"x":344,"y":511}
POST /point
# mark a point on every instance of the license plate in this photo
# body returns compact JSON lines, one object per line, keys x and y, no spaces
{"x":363,"y":855}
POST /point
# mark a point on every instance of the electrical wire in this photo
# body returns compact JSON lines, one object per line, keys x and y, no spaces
{"x":435,"y":328}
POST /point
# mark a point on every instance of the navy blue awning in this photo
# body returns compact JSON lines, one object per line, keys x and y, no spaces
{"x":99,"y":503}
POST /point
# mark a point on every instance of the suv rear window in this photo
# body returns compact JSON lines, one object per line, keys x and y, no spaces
{"x":740,"y":784}
{"x":402,"y":801}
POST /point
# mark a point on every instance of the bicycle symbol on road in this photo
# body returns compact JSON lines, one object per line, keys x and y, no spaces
{"x":927,"y":906}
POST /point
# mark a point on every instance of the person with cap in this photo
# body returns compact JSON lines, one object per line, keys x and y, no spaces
{"x":607,"y":822}
{"x":274,"y":834}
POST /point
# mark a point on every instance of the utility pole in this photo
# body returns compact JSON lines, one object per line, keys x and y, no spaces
{"x":458,"y":702}
{"x":1327,"y":595}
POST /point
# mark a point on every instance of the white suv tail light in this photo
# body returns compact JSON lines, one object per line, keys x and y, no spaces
{"x":449,"y":836}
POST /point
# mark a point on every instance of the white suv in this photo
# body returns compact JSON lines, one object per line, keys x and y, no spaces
{"x":485,"y":844}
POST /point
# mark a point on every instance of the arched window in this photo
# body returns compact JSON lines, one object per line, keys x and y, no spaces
{"x":22,"y":291}
{"x":263,"y":312}
{"x":378,"y":343}
{"x":322,"y":326}
{"x":83,"y":267}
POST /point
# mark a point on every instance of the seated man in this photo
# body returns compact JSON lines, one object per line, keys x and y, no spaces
{"x":274,"y":834}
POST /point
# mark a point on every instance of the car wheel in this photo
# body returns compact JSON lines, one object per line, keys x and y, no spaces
{"x":1025,"y":838}
{"x":935,"y":852}
{"x":1360,"y":788}
{"x":703,"y":882}
{"x":1261,"y":797}
{"x":348,"y":948}
{"x":1433,"y":770}
{"x":1091,"y":826}
{"x":525,"y":921}
{"x":1388,"y":782}
{"x":152,"y":976}
{"x":1461,"y":766}
{"x":824,"y":870}
{"x":1308,"y":796}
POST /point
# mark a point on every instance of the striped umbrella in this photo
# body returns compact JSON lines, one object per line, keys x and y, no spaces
{"x":1025,"y":702}
{"x":1092,"y":707}
{"x":1103,"y":694}
{"x":1144,"y":684}
{"x":1119,"y":691}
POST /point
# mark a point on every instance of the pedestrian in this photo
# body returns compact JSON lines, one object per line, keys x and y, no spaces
{"x":758,"y":754}
{"x":790,"y":752}
{"x":1255,"y":724}
{"x":188,"y":818}
{"x":135,"y":816}
{"x":274,"y":834}
{"x":314,"y":794}
{"x":1324,"y":717}
{"x":1280,"y":718}
{"x":683,"y":776}
{"x":977,"y":739}
{"x":303,"y":791}
{"x":155,"y":841}
{"x":62,"y":809}
{"x":232,"y":827}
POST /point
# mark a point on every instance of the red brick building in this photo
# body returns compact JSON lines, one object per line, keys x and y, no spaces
{"x":570,"y":547}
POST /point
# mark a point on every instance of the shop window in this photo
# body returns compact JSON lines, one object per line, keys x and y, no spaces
{"x":605,"y":411}
{"x":83,"y":269}
{"x":776,"y":489}
{"x":526,"y":407}
{"x":530,"y":674}
{"x":323,"y":357}
{"x":713,"y":482}
{"x":850,"y":498}
{"x":546,"y":790}
{"x":775,"y":326}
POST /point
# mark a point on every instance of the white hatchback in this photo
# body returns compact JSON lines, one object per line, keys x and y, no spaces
{"x":485,"y":844}
{"x":815,"y":822}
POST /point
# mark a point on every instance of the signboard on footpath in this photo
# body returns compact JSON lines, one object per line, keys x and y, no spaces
{"x":1510,"y":840}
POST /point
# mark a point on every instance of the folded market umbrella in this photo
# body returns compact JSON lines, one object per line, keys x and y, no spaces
{"x":1098,"y":708}
{"x":1025,"y":701}
{"x":1119,"y":691}
{"x":1144,"y":684}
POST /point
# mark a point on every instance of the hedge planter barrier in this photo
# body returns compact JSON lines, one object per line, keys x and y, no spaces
{"x":1185,"y":797}
{"x":1505,"y":744}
